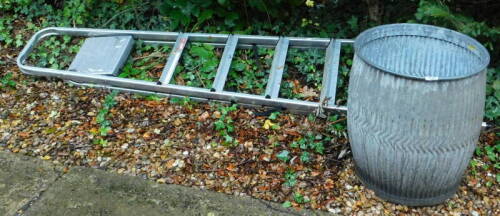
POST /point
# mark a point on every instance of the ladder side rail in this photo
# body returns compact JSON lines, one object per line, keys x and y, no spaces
{"x":152,"y":87}
{"x":239,"y":46}
{"x":172,"y":36}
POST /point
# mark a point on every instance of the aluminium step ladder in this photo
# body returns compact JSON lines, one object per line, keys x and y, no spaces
{"x":104,"y":52}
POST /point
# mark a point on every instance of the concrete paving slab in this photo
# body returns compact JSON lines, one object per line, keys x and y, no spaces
{"x":22,"y":179}
{"x":86,"y":191}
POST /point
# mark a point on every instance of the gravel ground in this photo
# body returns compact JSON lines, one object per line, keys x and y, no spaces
{"x":174,"y":144}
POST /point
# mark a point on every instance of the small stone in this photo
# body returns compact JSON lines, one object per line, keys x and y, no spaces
{"x":216,"y":155}
{"x":55,"y":97}
{"x":177,"y":122}
{"x":248,"y":144}
{"x":203,"y":117}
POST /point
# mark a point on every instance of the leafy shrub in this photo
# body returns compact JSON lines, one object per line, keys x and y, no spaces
{"x":438,"y":13}
{"x":198,"y":65}
{"x":55,"y":52}
{"x":249,"y":71}
{"x":146,"y":62}
{"x":6,"y":81}
{"x":189,"y":15}
{"x":303,"y":74}
{"x":224,"y":125}
{"x":492,"y":106}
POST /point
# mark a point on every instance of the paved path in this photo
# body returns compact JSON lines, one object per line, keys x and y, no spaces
{"x":30,"y":186}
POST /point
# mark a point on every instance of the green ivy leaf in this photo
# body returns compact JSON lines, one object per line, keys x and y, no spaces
{"x":200,"y":52}
{"x":287,"y":204}
{"x":284,"y":155}
{"x":273,"y":115}
{"x":496,"y":85}
{"x":239,"y":66}
{"x":305,"y":157}
{"x":299,"y":198}
{"x":219,"y":125}
{"x":290,"y":178}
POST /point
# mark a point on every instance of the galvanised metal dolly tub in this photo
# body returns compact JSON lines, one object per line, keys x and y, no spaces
{"x":415,"y":99}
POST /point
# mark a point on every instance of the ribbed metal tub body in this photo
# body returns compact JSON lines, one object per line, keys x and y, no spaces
{"x":414,"y":114}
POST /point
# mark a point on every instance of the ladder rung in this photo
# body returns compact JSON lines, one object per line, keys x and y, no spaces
{"x":330,"y":73}
{"x":225,"y":63}
{"x":277,"y":67}
{"x":173,"y":59}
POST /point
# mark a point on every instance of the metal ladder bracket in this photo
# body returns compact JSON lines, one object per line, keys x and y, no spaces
{"x":102,"y":55}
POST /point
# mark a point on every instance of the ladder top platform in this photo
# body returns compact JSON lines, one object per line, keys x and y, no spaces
{"x":102,"y":55}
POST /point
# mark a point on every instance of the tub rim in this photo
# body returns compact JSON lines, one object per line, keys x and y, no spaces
{"x":422,"y":30}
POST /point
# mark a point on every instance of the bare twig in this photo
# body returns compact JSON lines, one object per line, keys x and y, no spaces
{"x":10,"y":59}
{"x":153,"y":55}
{"x":492,"y":130}
{"x":339,"y":120}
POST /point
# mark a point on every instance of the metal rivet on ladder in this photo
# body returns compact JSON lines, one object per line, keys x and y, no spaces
{"x":277,"y":67}
{"x":225,"y":63}
{"x":330,"y":74}
{"x":173,"y":59}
